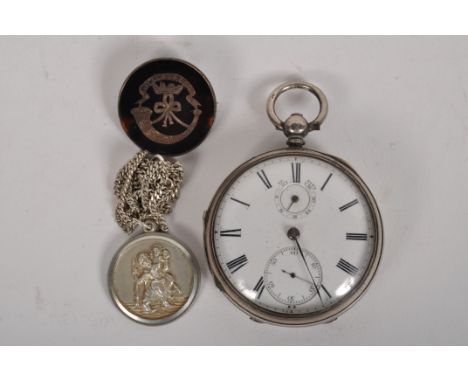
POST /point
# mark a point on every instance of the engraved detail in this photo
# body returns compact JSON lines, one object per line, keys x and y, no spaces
{"x":156,"y":292}
{"x":161,"y":120}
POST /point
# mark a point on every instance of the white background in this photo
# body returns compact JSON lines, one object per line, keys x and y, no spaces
{"x":398,"y":114}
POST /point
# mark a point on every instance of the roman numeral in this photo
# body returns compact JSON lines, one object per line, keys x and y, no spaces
{"x":296,"y":172}
{"x":356,"y":236}
{"x":237,"y":263}
{"x":264,"y":179}
{"x":326,"y":181}
{"x":326,"y":291}
{"x":259,"y":287}
{"x":241,"y":202}
{"x":347,"y":267}
{"x":231,"y":232}
{"x":347,"y":205}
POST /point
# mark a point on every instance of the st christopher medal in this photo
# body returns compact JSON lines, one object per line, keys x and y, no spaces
{"x":166,"y":107}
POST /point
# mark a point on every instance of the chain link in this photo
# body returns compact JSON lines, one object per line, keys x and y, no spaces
{"x":146,"y":187}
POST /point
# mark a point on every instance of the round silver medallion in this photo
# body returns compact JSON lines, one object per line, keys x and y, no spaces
{"x":153,"y":278}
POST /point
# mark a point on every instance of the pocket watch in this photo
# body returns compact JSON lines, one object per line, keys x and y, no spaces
{"x":293,"y":236}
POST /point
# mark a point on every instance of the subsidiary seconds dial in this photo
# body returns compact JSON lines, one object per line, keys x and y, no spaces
{"x":294,"y":199}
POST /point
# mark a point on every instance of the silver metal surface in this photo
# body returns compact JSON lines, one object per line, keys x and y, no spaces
{"x":146,"y":187}
{"x":263,"y":315}
{"x":296,"y":127}
{"x":153,"y":278}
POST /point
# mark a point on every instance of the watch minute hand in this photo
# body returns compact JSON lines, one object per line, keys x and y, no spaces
{"x":293,"y":233}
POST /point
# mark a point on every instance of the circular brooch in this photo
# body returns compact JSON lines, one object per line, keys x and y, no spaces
{"x":167,"y":106}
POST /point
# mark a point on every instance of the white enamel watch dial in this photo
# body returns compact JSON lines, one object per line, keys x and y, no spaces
{"x":293,"y":236}
{"x":336,"y":227}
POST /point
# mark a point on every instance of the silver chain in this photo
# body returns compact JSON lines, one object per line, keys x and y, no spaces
{"x":146,"y":187}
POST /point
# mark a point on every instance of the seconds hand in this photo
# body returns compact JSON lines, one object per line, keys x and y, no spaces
{"x":293,"y":233}
{"x":294,"y":199}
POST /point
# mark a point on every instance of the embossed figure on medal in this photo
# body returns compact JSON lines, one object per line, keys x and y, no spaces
{"x":156,"y":292}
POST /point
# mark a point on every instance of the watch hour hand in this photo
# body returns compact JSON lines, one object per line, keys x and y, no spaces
{"x":294,"y":276}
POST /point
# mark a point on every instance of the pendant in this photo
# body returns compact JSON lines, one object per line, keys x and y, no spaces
{"x":166,"y":107}
{"x":153,"y":278}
